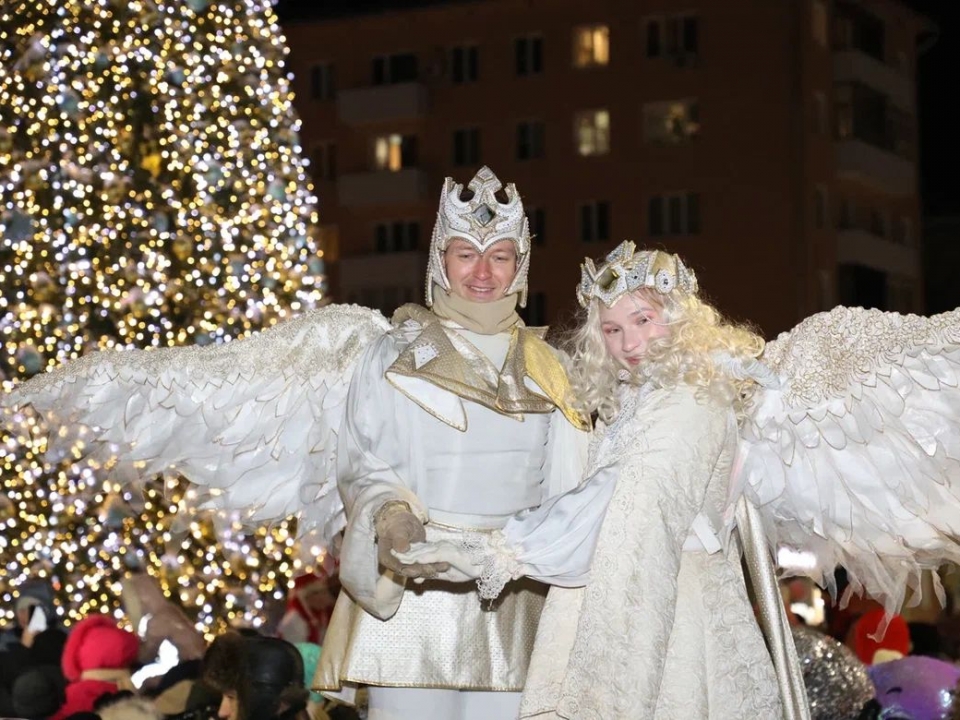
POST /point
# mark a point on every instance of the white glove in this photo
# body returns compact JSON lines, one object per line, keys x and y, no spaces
{"x":440,"y":553}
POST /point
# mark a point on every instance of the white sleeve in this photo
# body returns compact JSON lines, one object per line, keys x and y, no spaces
{"x":553,"y":543}
{"x":367,"y":453}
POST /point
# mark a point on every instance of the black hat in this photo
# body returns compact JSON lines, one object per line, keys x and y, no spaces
{"x":262,"y":671}
{"x":38,"y":692}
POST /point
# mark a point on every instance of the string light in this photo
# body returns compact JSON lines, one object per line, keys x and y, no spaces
{"x":152,"y":193}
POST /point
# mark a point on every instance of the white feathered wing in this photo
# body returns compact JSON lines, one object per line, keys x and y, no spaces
{"x":252,"y":422}
{"x":856,"y":456}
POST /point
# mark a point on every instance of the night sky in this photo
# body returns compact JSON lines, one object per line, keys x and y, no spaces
{"x":937,"y":79}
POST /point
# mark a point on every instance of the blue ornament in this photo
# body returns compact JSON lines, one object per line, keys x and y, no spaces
{"x":214,"y":175}
{"x":161,"y":222}
{"x":30,"y":359}
{"x":69,"y":103}
{"x":19,"y":226}
{"x":317,"y":266}
{"x":198,"y":6}
{"x":277,"y":190}
{"x":101,"y":61}
{"x":177,"y":76}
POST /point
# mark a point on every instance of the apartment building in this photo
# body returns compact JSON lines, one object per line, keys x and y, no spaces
{"x":773,"y":144}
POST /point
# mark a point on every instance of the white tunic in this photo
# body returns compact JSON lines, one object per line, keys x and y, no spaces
{"x":437,"y":634}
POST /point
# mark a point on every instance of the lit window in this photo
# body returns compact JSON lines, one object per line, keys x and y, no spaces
{"x":668,"y":123}
{"x":592,"y":129}
{"x":394,"y":152}
{"x":591,"y":46}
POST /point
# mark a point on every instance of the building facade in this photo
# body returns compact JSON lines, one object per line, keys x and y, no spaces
{"x":773,"y":144}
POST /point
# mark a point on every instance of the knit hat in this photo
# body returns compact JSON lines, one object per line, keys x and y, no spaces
{"x":38,"y":692}
{"x":97,"y":643}
{"x":894,"y":644}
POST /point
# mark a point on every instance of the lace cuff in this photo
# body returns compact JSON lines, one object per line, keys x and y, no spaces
{"x":496,"y":559}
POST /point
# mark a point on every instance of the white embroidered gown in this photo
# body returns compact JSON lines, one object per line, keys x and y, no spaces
{"x":663,"y":628}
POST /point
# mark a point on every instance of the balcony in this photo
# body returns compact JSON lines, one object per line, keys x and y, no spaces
{"x":854,"y":66}
{"x":879,"y":169}
{"x":383,"y":280}
{"x":383,"y":187}
{"x":859,"y":247}
{"x":382,"y":103}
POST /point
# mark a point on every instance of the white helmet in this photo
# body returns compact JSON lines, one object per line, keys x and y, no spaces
{"x":482,"y":220}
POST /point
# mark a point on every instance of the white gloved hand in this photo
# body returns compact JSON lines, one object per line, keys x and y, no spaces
{"x":438,"y":554}
{"x":397,"y":529}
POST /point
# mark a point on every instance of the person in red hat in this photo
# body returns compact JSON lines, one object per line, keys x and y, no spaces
{"x":892,"y":645}
{"x":308,"y":610}
{"x":96,"y":661}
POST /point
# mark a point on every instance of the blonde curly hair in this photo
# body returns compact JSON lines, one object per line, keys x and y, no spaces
{"x":698,"y":335}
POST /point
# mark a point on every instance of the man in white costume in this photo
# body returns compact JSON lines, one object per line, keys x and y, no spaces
{"x":455,"y":420}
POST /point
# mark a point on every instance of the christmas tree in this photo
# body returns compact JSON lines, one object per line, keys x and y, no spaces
{"x":152,"y":193}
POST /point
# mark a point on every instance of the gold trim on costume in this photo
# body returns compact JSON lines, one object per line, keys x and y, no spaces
{"x":457,"y":366}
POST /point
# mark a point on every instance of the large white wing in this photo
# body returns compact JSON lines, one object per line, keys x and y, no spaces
{"x":253,"y":422}
{"x":856,"y":457}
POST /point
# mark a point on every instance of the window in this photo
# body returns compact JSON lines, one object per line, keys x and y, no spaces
{"x":466,"y":147}
{"x":395,"y":152}
{"x":673,"y":214}
{"x":536,"y":311}
{"x":820,"y":210}
{"x":867,"y":115}
{"x":397,"y":236}
{"x":654,"y":38}
{"x":903,"y":231}
{"x":538,"y":225}
{"x":671,"y":122}
{"x":591,"y":46}
{"x":878,"y":223}
{"x":818,"y":22}
{"x":855,"y":28}
{"x":846,"y":218}
{"x":674,"y":36}
{"x":592,"y":131}
{"x":821,"y":121}
{"x":530,"y":142}
{"x":595,"y":222}
{"x":464,"y":64}
{"x":392,"y":69}
{"x":322,"y":80}
{"x":901,"y":292}
{"x":529,"y":55}
{"x":324,"y":161}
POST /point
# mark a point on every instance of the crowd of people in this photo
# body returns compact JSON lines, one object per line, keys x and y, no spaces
{"x":100,"y":668}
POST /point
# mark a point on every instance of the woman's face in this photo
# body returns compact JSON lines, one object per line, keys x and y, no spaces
{"x":229,"y":707}
{"x":629,"y":326}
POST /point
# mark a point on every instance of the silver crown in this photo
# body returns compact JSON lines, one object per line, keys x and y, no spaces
{"x":481,"y":220}
{"x":625,"y":270}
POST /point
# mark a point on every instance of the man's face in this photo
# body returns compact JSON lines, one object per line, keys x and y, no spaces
{"x":480,"y":277}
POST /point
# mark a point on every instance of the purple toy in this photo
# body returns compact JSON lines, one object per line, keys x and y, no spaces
{"x":915,"y":688}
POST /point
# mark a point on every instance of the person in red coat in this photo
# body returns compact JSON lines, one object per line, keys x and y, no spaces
{"x":308,"y":610}
{"x":96,"y":660}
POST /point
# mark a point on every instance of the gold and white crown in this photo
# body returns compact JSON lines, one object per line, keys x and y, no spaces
{"x":625,"y":270}
{"x":481,"y":220}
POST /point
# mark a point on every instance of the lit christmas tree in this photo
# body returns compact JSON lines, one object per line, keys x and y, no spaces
{"x":152,"y":193}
